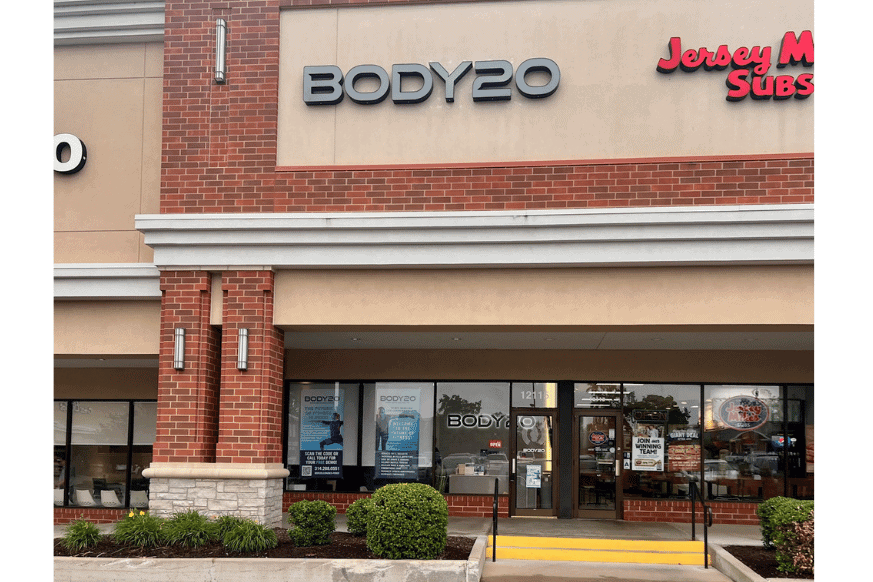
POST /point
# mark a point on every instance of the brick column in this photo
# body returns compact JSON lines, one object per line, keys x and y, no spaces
{"x":187,"y":425}
{"x":250,"y":411}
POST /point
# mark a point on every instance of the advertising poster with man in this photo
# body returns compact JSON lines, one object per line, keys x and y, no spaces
{"x":321,"y":434}
{"x":648,"y":447}
{"x":398,"y":412}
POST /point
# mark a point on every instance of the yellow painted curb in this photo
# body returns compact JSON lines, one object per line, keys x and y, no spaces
{"x":573,"y":555}
{"x":596,"y":544}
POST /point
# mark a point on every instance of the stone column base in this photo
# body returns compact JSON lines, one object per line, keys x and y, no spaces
{"x":215,"y":489}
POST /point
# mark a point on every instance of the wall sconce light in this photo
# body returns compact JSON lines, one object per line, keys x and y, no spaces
{"x":179,"y":349}
{"x":242,"y":358}
{"x":220,"y":50}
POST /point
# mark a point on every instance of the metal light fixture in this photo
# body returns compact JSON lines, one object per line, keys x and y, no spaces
{"x":242,"y":358}
{"x":179,"y":349}
{"x":220,"y":50}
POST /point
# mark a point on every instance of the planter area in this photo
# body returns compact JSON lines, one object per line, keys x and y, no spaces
{"x":269,"y":569}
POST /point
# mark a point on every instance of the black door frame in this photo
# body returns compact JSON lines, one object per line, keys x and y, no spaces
{"x":556,"y":469}
{"x":579,"y":512}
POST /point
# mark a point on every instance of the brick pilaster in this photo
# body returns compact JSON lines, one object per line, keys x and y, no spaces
{"x":250,"y":409}
{"x":187,"y":424}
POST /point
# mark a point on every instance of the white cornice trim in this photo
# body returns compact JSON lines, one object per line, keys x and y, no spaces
{"x":108,"y":21}
{"x":773,"y":234}
{"x":107,"y":281}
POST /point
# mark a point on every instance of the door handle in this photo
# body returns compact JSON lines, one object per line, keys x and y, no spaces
{"x":617,"y":467}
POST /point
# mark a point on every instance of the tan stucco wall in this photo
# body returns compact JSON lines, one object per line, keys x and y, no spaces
{"x":528,"y":298}
{"x":546,"y":365}
{"x":106,"y":383}
{"x":109,"y":96}
{"x":107,"y":327}
{"x":611,"y":103}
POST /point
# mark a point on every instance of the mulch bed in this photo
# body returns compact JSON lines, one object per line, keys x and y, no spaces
{"x":762,"y":561}
{"x":342,"y":545}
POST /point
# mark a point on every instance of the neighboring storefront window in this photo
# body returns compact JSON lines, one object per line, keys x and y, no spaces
{"x":801,"y":449}
{"x":472,"y":437}
{"x":661,"y":439}
{"x":596,"y":395}
{"x":743,"y":426}
{"x":60,"y":452}
{"x":104,"y":463}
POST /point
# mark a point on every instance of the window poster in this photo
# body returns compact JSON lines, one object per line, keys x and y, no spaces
{"x":398,"y":412}
{"x":534,"y":476}
{"x":321,"y":434}
{"x":648,"y":447}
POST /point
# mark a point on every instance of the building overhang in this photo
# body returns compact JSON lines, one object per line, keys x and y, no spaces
{"x":713,"y":235}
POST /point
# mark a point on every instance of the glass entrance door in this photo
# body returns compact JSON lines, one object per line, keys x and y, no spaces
{"x":533,"y":473}
{"x":597,"y":464}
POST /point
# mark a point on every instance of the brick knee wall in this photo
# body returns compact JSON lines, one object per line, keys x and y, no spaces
{"x":459,"y":505}
{"x":65,"y":515}
{"x":667,"y":511}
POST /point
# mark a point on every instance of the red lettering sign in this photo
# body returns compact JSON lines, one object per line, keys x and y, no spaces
{"x":746,"y":62}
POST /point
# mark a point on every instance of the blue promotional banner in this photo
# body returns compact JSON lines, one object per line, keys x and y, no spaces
{"x":398,"y":412}
{"x":321,"y":434}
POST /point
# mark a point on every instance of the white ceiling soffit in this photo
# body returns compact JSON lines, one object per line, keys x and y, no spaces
{"x":106,"y":281}
{"x":551,"y":340}
{"x":106,"y":21}
{"x":715,"y":235}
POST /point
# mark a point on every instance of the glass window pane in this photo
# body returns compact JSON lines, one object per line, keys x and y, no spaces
{"x":592,"y":395}
{"x":534,"y":395}
{"x":60,"y":452}
{"x":472,"y":437}
{"x":742,"y":426}
{"x":145,"y":419}
{"x":323,"y":425}
{"x":661,"y":439}
{"x":98,"y":470}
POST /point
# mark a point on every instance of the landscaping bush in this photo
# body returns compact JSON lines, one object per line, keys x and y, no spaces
{"x":313,"y":521}
{"x":358,"y":513}
{"x":190,"y":530}
{"x":796,"y":548}
{"x":781,"y":511}
{"x":250,"y":537}
{"x":225,"y":523}
{"x":81,"y":534}
{"x":408,"y":521}
{"x":140,"y":529}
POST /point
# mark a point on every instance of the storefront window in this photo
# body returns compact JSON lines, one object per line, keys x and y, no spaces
{"x":98,"y":469}
{"x":596,"y":395}
{"x":357,"y":437}
{"x":534,"y":395}
{"x":145,"y":422}
{"x":801,"y":446}
{"x":661,"y":439}
{"x":60,"y":452}
{"x":323,"y":436}
{"x":472,"y":437}
{"x":743,"y":427}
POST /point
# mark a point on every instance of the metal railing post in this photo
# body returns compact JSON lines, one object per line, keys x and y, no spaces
{"x":494,"y":525}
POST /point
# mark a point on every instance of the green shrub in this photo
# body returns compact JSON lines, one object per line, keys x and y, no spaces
{"x":358,"y":513}
{"x":140,"y":529}
{"x":313,"y":521}
{"x":225,"y":523}
{"x":81,"y":534}
{"x":781,"y":511}
{"x":248,"y":536}
{"x":796,"y":548}
{"x":408,"y":521}
{"x":190,"y":530}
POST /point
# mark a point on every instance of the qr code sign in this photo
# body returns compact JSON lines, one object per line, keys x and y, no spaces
{"x":306,"y":471}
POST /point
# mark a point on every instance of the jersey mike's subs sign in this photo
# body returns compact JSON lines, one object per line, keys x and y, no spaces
{"x":750,"y":67}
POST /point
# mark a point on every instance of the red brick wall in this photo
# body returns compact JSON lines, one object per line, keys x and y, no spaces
{"x":250,"y":409}
{"x":680,"y":511}
{"x":459,"y":505}
{"x":65,"y":515}
{"x":187,"y":423}
{"x":219,"y":147}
